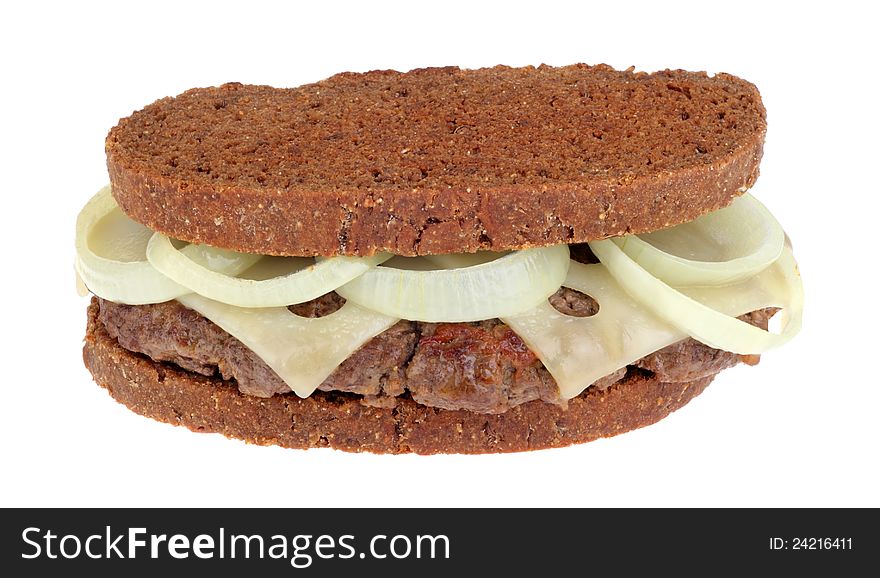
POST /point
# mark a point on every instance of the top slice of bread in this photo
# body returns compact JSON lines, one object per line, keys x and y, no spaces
{"x":438,"y":160}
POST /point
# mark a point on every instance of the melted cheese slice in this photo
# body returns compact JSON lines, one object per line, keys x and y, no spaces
{"x":577,"y":351}
{"x":302,"y":351}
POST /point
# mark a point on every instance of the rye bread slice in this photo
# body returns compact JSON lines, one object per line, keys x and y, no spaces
{"x":438,"y":160}
{"x":337,"y":420}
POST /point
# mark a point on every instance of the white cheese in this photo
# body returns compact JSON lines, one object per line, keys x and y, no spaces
{"x":577,"y":351}
{"x":302,"y":351}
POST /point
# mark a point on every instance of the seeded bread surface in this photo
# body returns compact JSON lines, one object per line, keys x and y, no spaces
{"x":438,"y":160}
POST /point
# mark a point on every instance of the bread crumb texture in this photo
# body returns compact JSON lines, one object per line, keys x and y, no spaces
{"x":438,"y":160}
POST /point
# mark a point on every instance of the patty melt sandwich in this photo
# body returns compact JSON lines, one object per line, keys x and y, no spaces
{"x":436,"y":261}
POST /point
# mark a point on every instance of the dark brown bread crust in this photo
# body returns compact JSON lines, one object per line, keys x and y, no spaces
{"x":341,"y":421}
{"x":438,"y":160}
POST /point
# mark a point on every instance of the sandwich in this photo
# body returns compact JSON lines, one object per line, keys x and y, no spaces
{"x":434,"y":261}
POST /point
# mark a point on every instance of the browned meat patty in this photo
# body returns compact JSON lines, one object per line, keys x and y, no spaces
{"x":481,"y":367}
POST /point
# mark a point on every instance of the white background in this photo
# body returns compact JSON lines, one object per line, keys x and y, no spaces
{"x":801,"y":429}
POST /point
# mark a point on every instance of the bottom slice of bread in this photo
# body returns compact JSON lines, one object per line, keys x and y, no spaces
{"x":168,"y":394}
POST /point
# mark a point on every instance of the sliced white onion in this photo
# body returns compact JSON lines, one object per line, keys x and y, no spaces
{"x":722,"y":247}
{"x":504,"y":286}
{"x":111,"y":256}
{"x":296,"y":284}
{"x":459,"y":260}
{"x":683,"y":309}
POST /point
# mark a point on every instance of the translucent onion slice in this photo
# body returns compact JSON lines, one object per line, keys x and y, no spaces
{"x":111,"y":256}
{"x":459,"y":260}
{"x":295,"y":284}
{"x":504,"y":286}
{"x":721,"y":247}
{"x":107,"y":259}
{"x":684,"y":309}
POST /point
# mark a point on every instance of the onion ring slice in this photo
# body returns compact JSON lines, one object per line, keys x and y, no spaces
{"x":111,"y":256}
{"x":296,"y":284}
{"x":683,"y":309}
{"x":719,"y":248}
{"x":504,"y":286}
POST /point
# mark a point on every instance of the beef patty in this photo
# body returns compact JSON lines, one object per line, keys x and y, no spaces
{"x":481,"y":367}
